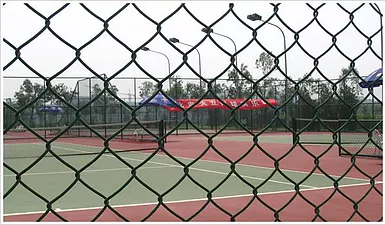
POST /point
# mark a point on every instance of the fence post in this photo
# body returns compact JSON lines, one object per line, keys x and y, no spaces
{"x":339,"y":138}
{"x":294,"y":125}
{"x":105,"y":108}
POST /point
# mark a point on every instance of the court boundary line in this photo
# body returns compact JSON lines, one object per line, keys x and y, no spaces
{"x":195,"y":200}
{"x":20,"y":143}
{"x":85,"y":171}
{"x":240,"y":164}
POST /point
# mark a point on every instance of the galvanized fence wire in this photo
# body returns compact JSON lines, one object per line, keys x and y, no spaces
{"x":278,"y":111}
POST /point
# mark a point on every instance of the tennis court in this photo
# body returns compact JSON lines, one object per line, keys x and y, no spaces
{"x":82,"y":182}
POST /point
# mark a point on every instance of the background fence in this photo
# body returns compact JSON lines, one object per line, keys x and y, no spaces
{"x":107,"y":109}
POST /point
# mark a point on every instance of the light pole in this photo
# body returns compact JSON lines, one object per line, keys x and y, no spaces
{"x":176,"y":40}
{"x":255,"y":17}
{"x":205,"y":30}
{"x":382,"y":54}
{"x":382,"y":40}
{"x":168,"y":63}
{"x":168,"y":60}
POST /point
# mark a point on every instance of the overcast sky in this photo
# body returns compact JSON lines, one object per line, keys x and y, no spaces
{"x":48,"y":55}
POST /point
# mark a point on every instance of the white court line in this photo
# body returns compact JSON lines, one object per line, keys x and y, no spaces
{"x":218,"y":162}
{"x":86,"y":171}
{"x":192,"y":168}
{"x":19,"y":144}
{"x":261,"y":167}
{"x":197,"y":199}
{"x":245,"y":165}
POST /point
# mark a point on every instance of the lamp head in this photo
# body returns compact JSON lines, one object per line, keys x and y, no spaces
{"x":145,"y":49}
{"x":205,"y":30}
{"x":174,"y":40}
{"x":254,"y":17}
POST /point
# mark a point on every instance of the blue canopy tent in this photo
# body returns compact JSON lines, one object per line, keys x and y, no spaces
{"x":52,"y":112}
{"x":159,"y":100}
{"x":373,"y":80}
{"x":51,"y":109}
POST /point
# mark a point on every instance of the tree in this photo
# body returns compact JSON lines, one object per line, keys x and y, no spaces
{"x":240,"y":87}
{"x":333,"y":107}
{"x":348,"y":91}
{"x":269,"y":89}
{"x":105,"y":104}
{"x":96,"y":89}
{"x":193,"y":90}
{"x":219,"y":90}
{"x":264,"y":62}
{"x":325,"y":96}
{"x":28,"y":92}
{"x":306,"y":102}
{"x":8,"y":114}
{"x":146,"y":89}
{"x":62,"y":90}
{"x":115,"y":91}
{"x":176,"y":88}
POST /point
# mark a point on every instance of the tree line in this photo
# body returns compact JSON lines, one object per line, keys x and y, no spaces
{"x":29,"y":91}
{"x":328,"y":99}
{"x":309,"y":97}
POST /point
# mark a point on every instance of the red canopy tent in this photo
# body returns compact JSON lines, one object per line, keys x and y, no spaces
{"x":216,"y":104}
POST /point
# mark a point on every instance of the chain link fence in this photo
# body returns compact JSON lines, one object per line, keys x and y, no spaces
{"x":94,"y":100}
{"x":108,"y":110}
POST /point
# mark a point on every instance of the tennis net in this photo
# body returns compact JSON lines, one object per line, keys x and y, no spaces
{"x":22,"y":143}
{"x":144,"y":131}
{"x":360,"y":137}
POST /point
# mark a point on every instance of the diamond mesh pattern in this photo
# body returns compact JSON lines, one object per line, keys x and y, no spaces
{"x":210,"y":83}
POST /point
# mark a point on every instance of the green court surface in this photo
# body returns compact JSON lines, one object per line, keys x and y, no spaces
{"x":109,"y":176}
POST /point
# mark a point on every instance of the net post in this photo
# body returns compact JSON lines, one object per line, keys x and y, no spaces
{"x":105,"y":103}
{"x":294,"y":125}
{"x":121,"y":120}
{"x":45,"y":113}
{"x":162,"y":130}
{"x":339,"y":138}
{"x":78,"y":90}
{"x":89,"y":99}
